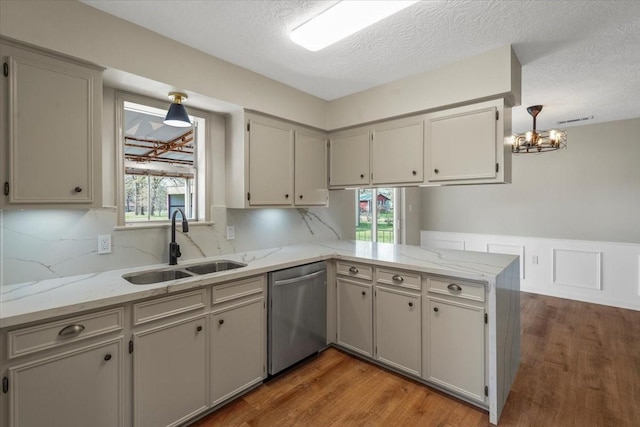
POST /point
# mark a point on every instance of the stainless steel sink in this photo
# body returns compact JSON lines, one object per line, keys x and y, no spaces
{"x":149,"y":277}
{"x":165,"y":275}
{"x":214,"y":266}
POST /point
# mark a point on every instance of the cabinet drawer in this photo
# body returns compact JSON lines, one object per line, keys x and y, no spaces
{"x":160,"y":308}
{"x":360,"y":271}
{"x":234,"y":290}
{"x":457,"y":288}
{"x":404,"y":279}
{"x":37,"y":338}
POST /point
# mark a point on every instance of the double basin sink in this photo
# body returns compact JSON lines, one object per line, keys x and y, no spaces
{"x":165,"y":275}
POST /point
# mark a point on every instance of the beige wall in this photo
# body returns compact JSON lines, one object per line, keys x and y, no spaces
{"x":80,"y":31}
{"x":590,"y":191}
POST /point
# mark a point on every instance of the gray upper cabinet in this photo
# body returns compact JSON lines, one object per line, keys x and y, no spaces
{"x":52,"y":113}
{"x":272,"y":162}
{"x":349,"y":158}
{"x":466,"y":145}
{"x":397,"y":151}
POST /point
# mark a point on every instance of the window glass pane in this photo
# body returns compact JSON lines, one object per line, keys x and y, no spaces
{"x":136,"y":197}
{"x":364,"y":219}
{"x":384,"y":217}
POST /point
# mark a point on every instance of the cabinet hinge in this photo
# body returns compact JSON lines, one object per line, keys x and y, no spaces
{"x":5,"y":69}
{"x":5,"y":385}
{"x":130,"y":346}
{"x":497,"y":115}
{"x":486,"y":391}
{"x":486,"y":318}
{"x":248,"y":126}
{"x":6,"y":188}
{"x":497,"y":167}
{"x":248,"y":196}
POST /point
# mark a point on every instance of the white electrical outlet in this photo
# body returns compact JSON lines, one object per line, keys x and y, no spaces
{"x":534,"y":259}
{"x":231,"y":232}
{"x":104,"y":244}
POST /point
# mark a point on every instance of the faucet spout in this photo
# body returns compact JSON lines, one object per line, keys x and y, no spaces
{"x":174,"y":248}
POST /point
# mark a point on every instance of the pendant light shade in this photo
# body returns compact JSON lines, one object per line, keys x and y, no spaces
{"x":177,"y":115}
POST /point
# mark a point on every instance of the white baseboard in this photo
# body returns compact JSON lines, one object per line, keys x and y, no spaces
{"x":599,"y":272}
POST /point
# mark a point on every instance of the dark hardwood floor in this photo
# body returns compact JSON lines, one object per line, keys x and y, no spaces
{"x":580,"y":367}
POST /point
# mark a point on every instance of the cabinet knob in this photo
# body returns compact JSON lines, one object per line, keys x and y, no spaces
{"x":435,"y":309}
{"x":361,"y":176}
{"x":286,"y":196}
{"x":107,"y":357}
{"x":397,"y":278}
{"x":78,"y":189}
{"x":454,"y":287}
{"x":436,"y":171}
{"x":410,"y":304}
{"x":301,"y":197}
{"x":221,"y":322}
{"x":199,"y":328}
{"x":414,"y":173}
{"x":353,"y":270}
{"x":364,"y":293}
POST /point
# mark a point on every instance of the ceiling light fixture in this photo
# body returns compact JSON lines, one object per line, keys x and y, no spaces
{"x":343,"y":19}
{"x":177,"y":115}
{"x":536,"y":141}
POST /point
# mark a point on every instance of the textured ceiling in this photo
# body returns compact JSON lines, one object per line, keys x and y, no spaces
{"x":579,"y":58}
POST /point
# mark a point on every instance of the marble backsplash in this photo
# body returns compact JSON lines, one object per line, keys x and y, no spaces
{"x":45,"y":244}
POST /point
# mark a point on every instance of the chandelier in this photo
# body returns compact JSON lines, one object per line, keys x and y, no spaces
{"x":536,"y":141}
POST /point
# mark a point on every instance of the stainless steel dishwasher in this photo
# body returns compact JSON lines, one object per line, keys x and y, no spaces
{"x":297,"y":314}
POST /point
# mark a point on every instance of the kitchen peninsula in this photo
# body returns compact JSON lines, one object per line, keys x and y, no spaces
{"x":454,"y":286}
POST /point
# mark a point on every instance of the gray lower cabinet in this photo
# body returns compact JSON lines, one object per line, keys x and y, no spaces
{"x":398,"y":337}
{"x":454,"y":325}
{"x":75,"y":388}
{"x":237,"y":349}
{"x":355,"y":316}
{"x":238,"y":339}
{"x":169,"y":370}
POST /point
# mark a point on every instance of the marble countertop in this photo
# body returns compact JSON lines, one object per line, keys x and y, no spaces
{"x":32,"y":301}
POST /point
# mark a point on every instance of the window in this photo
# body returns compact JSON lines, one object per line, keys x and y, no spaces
{"x":376,"y":215}
{"x":162,"y":166}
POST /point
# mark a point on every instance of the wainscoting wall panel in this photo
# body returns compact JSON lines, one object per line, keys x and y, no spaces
{"x":600,"y":272}
{"x":577,"y":268}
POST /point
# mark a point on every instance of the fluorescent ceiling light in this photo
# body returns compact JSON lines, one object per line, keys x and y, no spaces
{"x":342,"y":20}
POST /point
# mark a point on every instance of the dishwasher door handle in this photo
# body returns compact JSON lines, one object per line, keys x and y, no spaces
{"x":298,"y":279}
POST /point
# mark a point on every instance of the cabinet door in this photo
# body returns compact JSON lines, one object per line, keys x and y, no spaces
{"x":53,"y":125}
{"x":455,"y":346}
{"x":349,"y":159}
{"x":355,"y":316}
{"x":237,"y":349}
{"x":397,"y":152}
{"x":310,"y":170}
{"x":398,"y":332}
{"x":270,"y":163}
{"x":169,"y":366}
{"x":76,"y":389}
{"x":462,"y":146}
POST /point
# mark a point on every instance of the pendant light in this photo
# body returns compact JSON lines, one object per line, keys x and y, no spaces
{"x":177,"y":115}
{"x":538,"y":141}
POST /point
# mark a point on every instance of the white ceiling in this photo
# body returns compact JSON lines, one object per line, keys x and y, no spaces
{"x":579,"y":58}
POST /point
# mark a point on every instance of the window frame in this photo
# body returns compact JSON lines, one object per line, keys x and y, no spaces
{"x":202,"y":175}
{"x":397,"y":230}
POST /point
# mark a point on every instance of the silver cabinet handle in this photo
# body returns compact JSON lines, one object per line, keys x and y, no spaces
{"x":454,"y":287}
{"x":71,"y":331}
{"x":353,"y":270}
{"x":397,"y":278}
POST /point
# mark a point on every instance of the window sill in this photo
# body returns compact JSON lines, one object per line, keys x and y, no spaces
{"x":145,"y":226}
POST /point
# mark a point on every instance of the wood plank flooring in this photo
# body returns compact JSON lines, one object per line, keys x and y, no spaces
{"x":580,"y":367}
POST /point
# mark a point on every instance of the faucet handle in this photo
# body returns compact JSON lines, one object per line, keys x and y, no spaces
{"x":178,"y":254}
